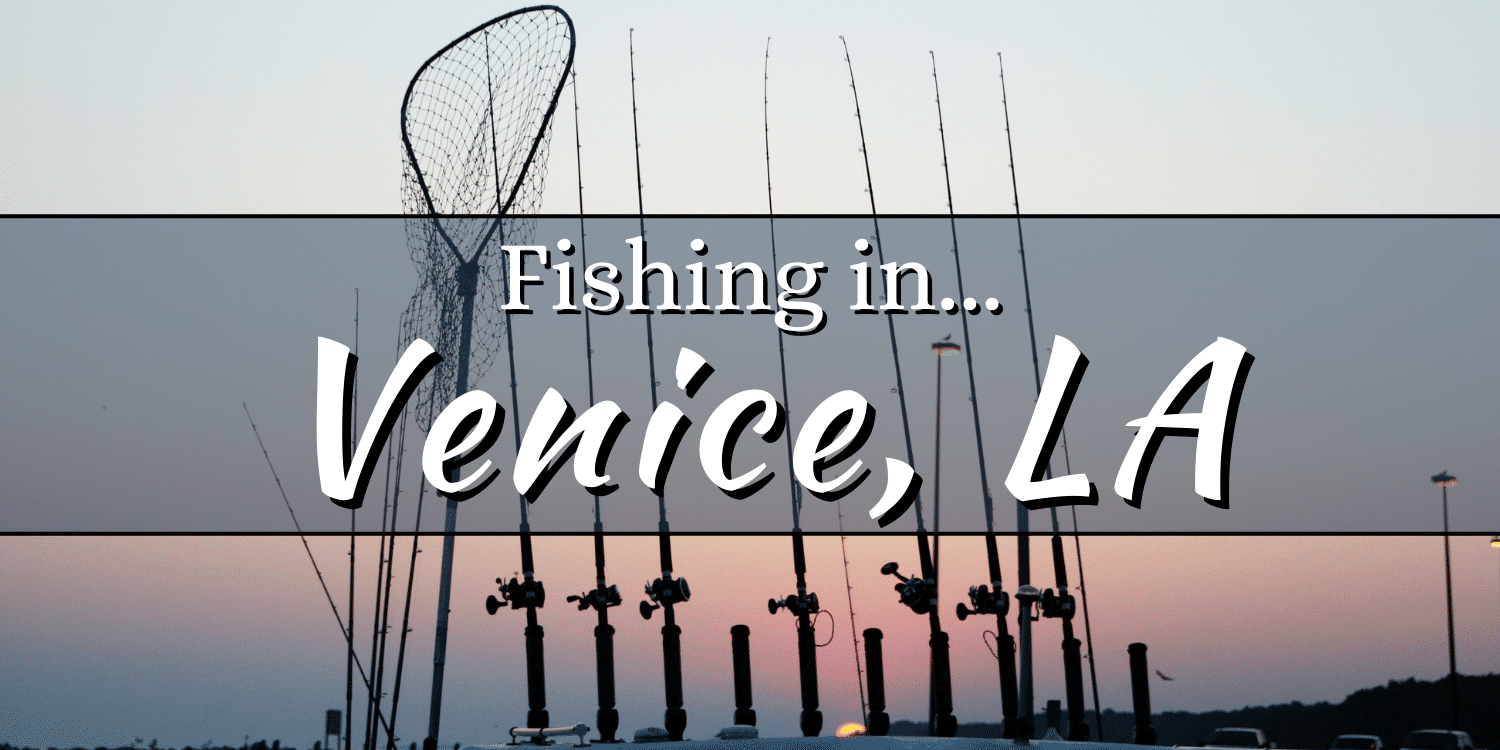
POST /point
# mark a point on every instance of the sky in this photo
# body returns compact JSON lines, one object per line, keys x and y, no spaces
{"x":1147,"y":107}
{"x":1160,"y":108}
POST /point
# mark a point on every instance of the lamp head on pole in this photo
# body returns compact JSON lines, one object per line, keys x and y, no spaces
{"x":1444,"y":480}
{"x":946,"y":347}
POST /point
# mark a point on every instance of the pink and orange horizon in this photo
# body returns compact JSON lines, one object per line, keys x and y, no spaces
{"x":179,"y":635}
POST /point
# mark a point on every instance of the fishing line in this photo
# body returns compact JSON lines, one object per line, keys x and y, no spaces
{"x":832,"y":625}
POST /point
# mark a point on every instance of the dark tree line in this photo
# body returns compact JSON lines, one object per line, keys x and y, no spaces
{"x":1389,"y":711}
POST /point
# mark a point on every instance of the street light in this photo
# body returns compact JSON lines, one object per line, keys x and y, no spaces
{"x":1495,"y":542}
{"x":944,"y":348}
{"x":1446,"y":480}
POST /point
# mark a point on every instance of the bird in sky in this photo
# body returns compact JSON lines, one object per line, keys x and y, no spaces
{"x":1164,"y":677}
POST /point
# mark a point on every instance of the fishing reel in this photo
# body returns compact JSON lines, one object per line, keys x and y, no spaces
{"x":1057,"y":605}
{"x":806,"y":604}
{"x":917,"y":593}
{"x":601,"y":598}
{"x":518,"y":593}
{"x":664,"y":592}
{"x":985,"y":602}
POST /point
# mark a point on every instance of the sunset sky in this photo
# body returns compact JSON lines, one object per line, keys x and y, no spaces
{"x":133,"y":343}
{"x":188,"y":640}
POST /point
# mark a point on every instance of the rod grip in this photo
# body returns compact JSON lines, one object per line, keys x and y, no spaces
{"x":807,"y":662}
{"x":1078,"y":729}
{"x":536,"y":679}
{"x":942,"y":723}
{"x":671,"y":649}
{"x":604,"y":652}
{"x":1005,"y":644}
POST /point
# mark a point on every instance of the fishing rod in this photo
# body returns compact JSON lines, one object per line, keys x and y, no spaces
{"x":349,"y":663}
{"x":527,"y":592}
{"x":604,"y":595}
{"x":1088,"y":630}
{"x":373,"y":697}
{"x":803,"y":604}
{"x":388,"y":556}
{"x":347,"y":633}
{"x":990,"y":599}
{"x":1059,"y":605}
{"x":411,"y":574}
{"x":666,"y":592}
{"x":380,"y":619}
{"x":917,"y":592}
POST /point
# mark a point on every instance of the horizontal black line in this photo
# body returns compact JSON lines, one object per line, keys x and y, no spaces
{"x":766,"y":216}
{"x":1434,"y":534}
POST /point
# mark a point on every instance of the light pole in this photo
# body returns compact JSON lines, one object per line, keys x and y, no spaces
{"x":1495,"y":542}
{"x":944,"y":348}
{"x":1446,"y":480}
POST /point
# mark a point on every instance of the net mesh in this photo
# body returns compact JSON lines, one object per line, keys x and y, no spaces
{"x":475,"y":129}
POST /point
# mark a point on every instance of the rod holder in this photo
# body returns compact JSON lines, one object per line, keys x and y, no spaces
{"x":942,"y":722}
{"x":739,"y":643}
{"x":880,"y":721}
{"x":1140,"y":693}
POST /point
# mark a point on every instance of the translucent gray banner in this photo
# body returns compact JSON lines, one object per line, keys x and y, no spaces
{"x":132,"y":343}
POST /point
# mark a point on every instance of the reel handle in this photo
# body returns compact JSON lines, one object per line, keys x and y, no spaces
{"x":890,"y":569}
